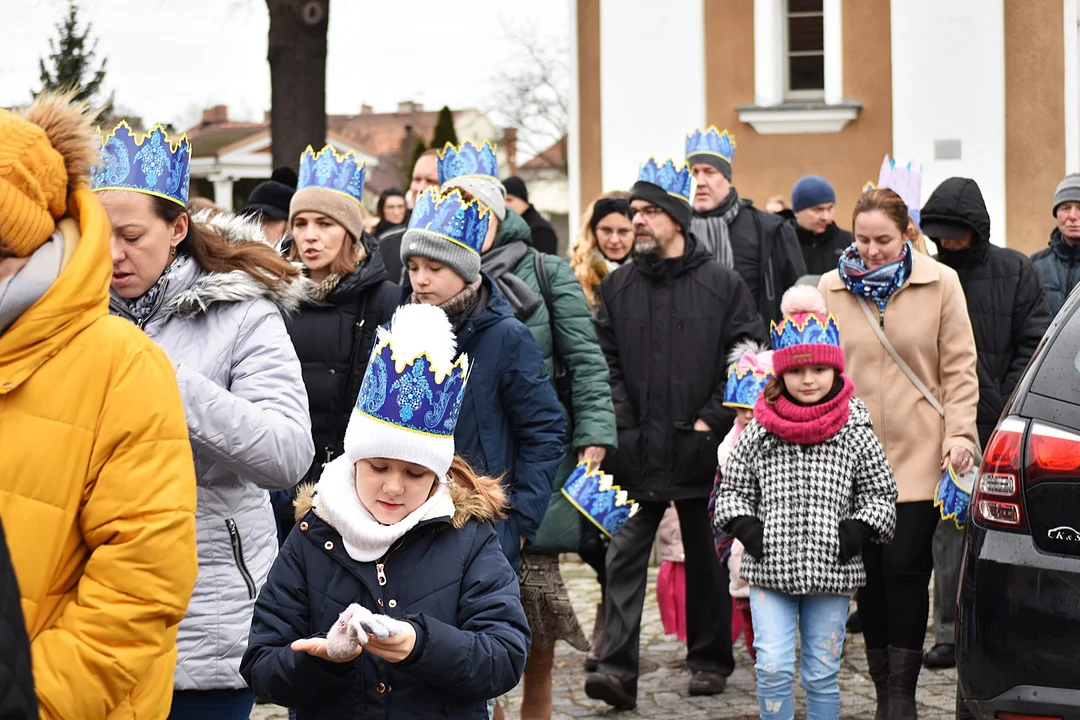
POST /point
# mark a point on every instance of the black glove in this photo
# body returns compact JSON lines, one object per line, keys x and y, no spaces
{"x":750,"y":532}
{"x":854,"y":534}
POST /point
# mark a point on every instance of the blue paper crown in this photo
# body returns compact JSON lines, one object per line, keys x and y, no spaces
{"x":467,"y":161}
{"x":328,"y":170}
{"x":810,"y":331}
{"x":451,"y":217}
{"x":597,"y":496}
{"x":674,"y":181}
{"x":953,"y":496}
{"x":744,"y":386}
{"x":711,"y":142}
{"x":152,"y":163}
{"x":408,"y":393}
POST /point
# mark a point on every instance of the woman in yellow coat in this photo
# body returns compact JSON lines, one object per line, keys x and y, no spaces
{"x":97,"y":485}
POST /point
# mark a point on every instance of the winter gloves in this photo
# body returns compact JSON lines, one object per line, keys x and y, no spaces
{"x":751,"y":533}
{"x":854,"y":534}
{"x":357,"y":626}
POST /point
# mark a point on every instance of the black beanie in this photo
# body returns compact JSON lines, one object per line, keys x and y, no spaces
{"x":516,"y":186}
{"x":270,"y":198}
{"x":710,"y":159}
{"x":677,"y":208}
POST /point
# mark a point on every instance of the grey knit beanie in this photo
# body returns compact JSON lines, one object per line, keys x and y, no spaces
{"x":1068,"y":190}
{"x":487,"y":190}
{"x":459,"y":258}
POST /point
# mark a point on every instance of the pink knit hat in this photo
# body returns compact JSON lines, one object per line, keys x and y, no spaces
{"x":808,"y":334}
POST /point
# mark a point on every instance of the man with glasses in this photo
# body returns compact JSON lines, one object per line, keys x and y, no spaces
{"x":665,"y":324}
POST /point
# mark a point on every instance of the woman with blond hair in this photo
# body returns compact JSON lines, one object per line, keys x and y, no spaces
{"x":604,"y":242}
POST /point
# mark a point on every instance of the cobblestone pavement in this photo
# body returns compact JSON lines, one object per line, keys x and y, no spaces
{"x":662,"y":684}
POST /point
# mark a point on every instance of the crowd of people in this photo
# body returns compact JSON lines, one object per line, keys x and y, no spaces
{"x":306,"y":456}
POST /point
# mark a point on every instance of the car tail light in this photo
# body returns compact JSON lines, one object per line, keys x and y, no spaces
{"x":1052,"y":453}
{"x":996,"y":502}
{"x":1025,"y":716}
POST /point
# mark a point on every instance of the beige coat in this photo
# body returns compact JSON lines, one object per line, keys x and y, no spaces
{"x":927,"y":322}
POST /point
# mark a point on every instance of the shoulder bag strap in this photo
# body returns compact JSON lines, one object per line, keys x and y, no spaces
{"x":899,"y":360}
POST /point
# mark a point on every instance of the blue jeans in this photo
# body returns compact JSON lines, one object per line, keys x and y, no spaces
{"x":212,"y":704}
{"x":820,"y":620}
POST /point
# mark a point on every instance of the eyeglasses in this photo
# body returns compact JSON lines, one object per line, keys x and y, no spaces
{"x":649,"y":211}
{"x":605,"y":233}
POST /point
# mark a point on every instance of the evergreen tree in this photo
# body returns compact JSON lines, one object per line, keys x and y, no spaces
{"x":444,"y":130}
{"x":72,"y":61}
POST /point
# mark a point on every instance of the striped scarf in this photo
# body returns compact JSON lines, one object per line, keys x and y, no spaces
{"x":713,"y":229}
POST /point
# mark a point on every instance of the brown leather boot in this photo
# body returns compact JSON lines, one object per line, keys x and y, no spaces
{"x":536,"y":701}
{"x":877,"y":662}
{"x":596,"y":648}
{"x":904,"y":667}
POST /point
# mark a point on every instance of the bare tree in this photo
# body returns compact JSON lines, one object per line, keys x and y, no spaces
{"x":533,"y":93}
{"x":297,"y":55}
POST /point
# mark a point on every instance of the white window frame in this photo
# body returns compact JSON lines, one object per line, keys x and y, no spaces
{"x":789,"y":95}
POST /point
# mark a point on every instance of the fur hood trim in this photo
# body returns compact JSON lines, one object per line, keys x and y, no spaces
{"x":236,"y":286}
{"x":483,"y":501}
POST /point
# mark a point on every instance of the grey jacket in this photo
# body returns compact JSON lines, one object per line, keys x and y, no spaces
{"x":247,"y":414}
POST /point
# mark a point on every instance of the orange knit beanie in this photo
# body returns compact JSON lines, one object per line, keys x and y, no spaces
{"x":43,"y":154}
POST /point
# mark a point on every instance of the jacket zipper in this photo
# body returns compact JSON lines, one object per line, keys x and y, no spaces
{"x":238,"y":555}
{"x":380,"y":566}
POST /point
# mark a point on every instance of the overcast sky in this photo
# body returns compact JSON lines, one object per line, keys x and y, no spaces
{"x":165,"y":64}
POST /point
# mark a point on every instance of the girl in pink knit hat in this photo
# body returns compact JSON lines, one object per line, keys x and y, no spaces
{"x":806,"y":487}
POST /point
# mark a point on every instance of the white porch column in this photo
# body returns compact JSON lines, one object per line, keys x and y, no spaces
{"x":223,"y":191}
{"x":768,"y":52}
{"x":1072,"y":88}
{"x":573,"y":150}
{"x":834,"y":52}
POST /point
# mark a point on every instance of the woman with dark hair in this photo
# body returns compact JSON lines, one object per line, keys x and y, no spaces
{"x":392,"y":211}
{"x":211,"y":293}
{"x":890,"y":298}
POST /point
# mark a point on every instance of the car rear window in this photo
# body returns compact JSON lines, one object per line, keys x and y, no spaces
{"x":1059,"y":374}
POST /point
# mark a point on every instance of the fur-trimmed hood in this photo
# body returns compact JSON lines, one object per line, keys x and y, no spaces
{"x":485,"y":501}
{"x":209,"y":288}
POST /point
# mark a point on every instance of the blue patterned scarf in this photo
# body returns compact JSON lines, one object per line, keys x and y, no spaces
{"x":877,"y":284}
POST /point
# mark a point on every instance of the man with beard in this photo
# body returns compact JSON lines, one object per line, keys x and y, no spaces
{"x":666,"y":321}
{"x":760,"y":246}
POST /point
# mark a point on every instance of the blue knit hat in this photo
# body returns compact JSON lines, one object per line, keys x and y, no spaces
{"x":811,"y":190}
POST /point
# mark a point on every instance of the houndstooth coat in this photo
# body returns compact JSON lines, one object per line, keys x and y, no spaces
{"x":801,"y":493}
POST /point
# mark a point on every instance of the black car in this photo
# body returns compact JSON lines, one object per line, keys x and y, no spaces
{"x":1018,"y":615}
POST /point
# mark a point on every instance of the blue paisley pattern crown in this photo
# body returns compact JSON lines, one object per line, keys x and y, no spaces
{"x":468,"y":161}
{"x":451,"y":217}
{"x":409,"y":393}
{"x":711,"y":142}
{"x":152,"y":163}
{"x":809,"y":330}
{"x":744,"y":386}
{"x":328,"y":170}
{"x":673,"y":180}
{"x":597,"y":496}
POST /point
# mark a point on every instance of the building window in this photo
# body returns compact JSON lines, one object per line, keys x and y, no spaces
{"x":804,"y":50}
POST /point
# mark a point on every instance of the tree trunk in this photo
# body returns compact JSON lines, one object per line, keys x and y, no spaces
{"x":297,"y":55}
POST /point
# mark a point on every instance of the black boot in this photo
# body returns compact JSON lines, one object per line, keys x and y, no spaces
{"x":596,"y":648}
{"x":877,"y":662}
{"x":940,"y":656}
{"x":904,"y":667}
{"x":854,"y":623}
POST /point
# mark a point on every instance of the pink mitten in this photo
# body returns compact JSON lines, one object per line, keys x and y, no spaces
{"x":342,"y":641}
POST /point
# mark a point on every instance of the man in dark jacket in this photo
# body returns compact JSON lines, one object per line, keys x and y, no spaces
{"x":667,"y":319}
{"x":759,"y":245}
{"x":1009,"y":315}
{"x":813,"y":201}
{"x":425,"y":174}
{"x":17,"y":697}
{"x":1059,"y":264}
{"x":544,"y":238}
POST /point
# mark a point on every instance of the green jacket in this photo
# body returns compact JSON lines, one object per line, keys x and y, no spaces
{"x":574,"y":338}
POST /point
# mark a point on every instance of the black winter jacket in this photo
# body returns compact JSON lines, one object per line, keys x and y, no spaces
{"x":452,"y":584}
{"x":544,"y":238}
{"x":822,"y":252}
{"x":665,"y":327}
{"x":1059,"y":267}
{"x":17,"y":698}
{"x":333,"y":339}
{"x":779,"y":261}
{"x":1005,"y":298}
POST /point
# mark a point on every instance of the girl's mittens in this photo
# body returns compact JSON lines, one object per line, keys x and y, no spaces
{"x":751,"y":533}
{"x":342,"y":641}
{"x":854,"y":534}
{"x":384,"y":626}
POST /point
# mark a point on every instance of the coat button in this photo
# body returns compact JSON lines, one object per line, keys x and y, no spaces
{"x":333,"y":371}
{"x":392,"y":603}
{"x":329,"y":545}
{"x":380,"y":688}
{"x":303,"y":527}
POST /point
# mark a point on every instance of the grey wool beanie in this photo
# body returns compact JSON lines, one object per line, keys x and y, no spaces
{"x":1068,"y":190}
{"x":487,"y":190}
{"x":462,"y":260}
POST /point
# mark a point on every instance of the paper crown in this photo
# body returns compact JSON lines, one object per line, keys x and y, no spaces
{"x":904,"y":179}
{"x":449,"y":216}
{"x":953,"y":496}
{"x":747,"y":377}
{"x":808,"y":329}
{"x":869,"y":186}
{"x":412,"y":381}
{"x":328,"y":170}
{"x":675,"y":181}
{"x":150,"y":163}
{"x":468,"y":160}
{"x":597,"y":496}
{"x":711,"y":142}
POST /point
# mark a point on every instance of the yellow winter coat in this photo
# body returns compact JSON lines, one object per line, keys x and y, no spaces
{"x":97,"y":490}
